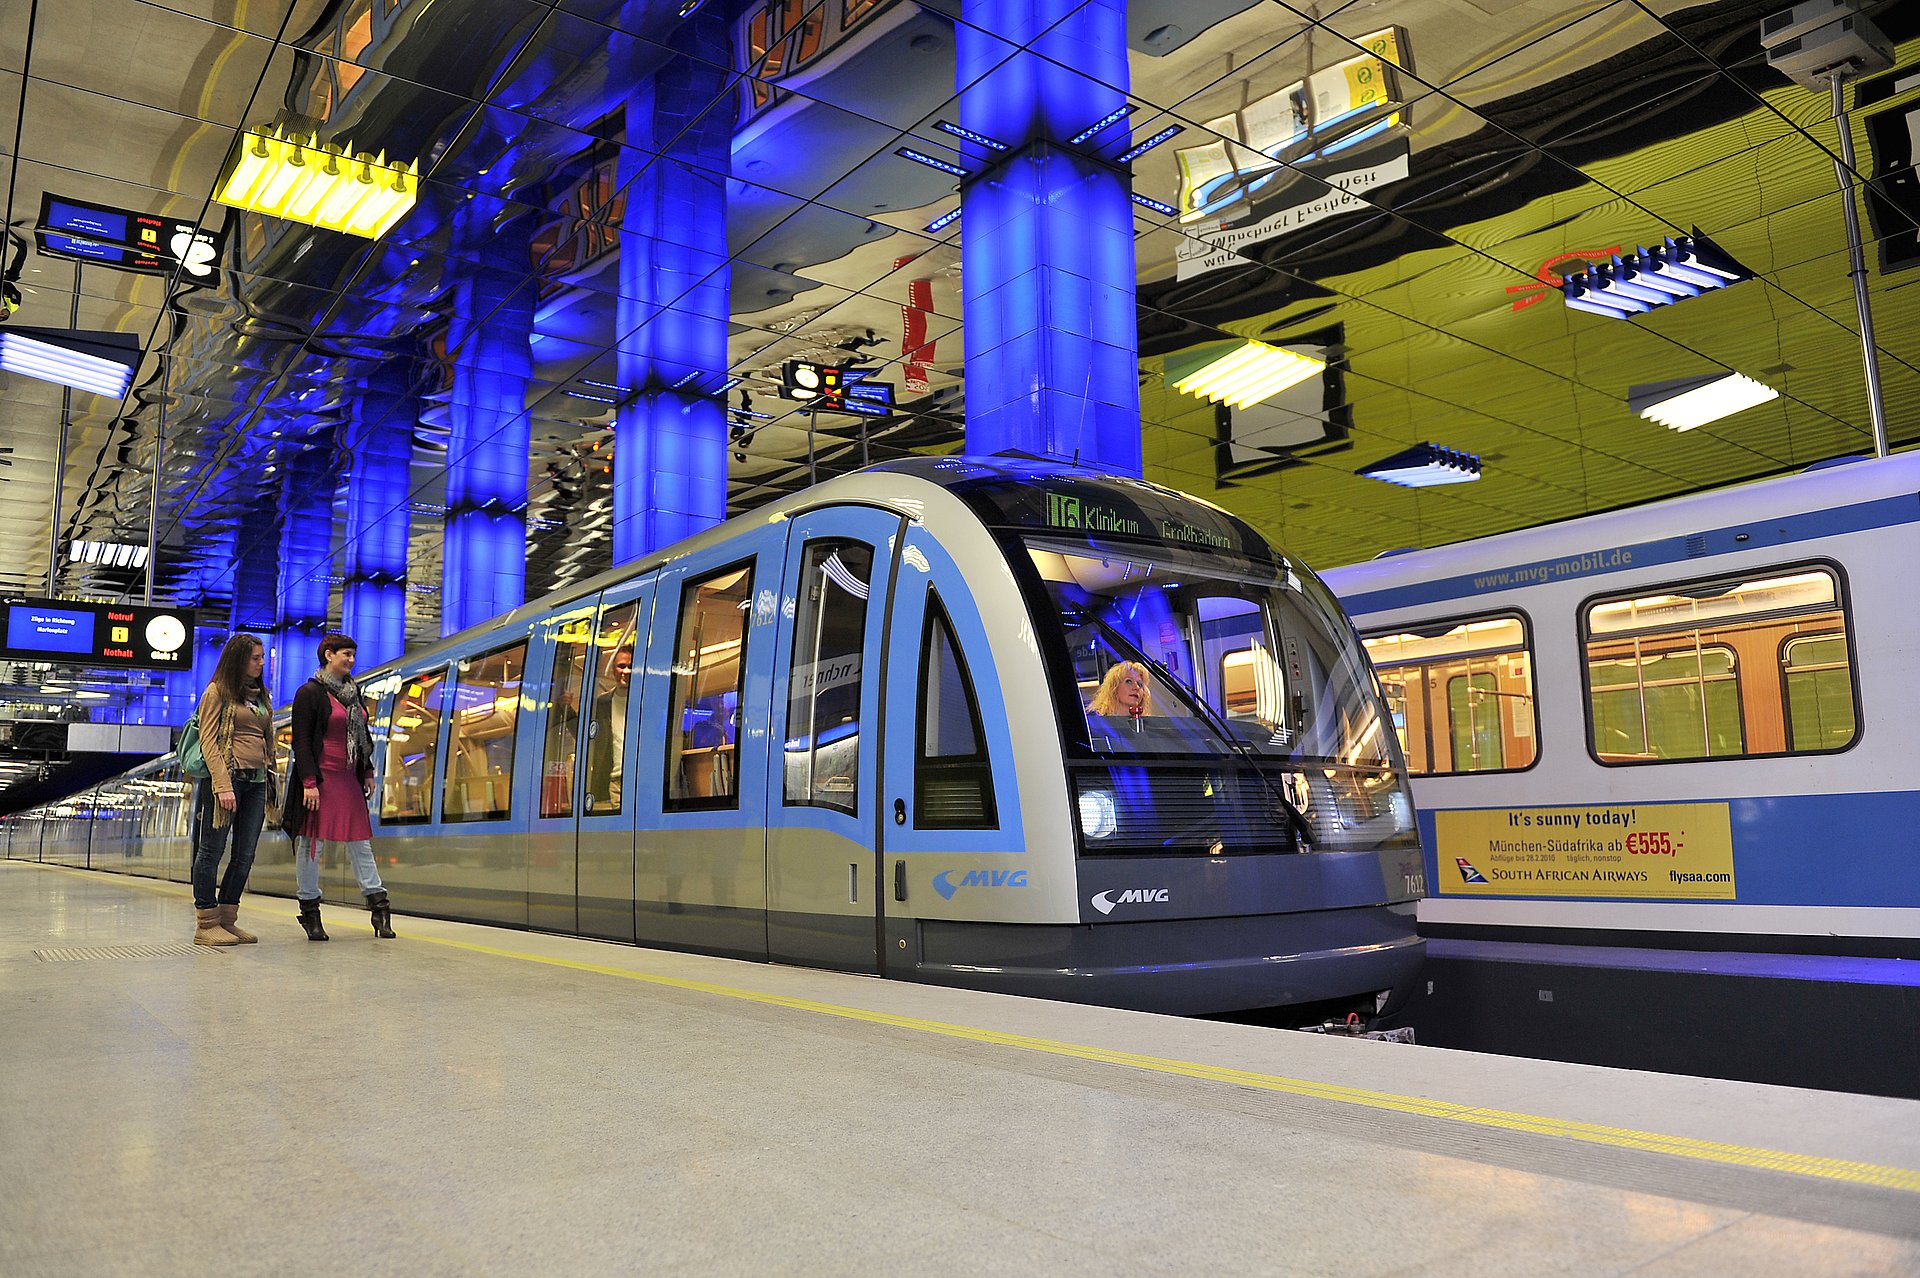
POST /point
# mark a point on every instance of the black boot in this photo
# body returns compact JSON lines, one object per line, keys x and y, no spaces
{"x":382,"y":915}
{"x":310,"y":920}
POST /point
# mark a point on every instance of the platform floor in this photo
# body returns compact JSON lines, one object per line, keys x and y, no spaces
{"x":466,"y":1100}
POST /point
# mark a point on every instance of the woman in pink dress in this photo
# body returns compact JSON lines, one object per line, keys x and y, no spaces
{"x":331,"y":784}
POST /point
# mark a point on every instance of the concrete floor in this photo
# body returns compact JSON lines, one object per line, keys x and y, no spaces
{"x":473,"y":1101}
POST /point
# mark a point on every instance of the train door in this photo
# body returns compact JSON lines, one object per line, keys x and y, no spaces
{"x":823,"y":890}
{"x":580,"y":842}
{"x":698,"y":792}
{"x":951,"y":806}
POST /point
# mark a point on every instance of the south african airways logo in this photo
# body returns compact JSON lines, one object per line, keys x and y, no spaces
{"x":1467,"y":873}
{"x":946,"y":885}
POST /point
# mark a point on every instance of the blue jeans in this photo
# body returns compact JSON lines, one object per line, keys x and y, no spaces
{"x":209,"y":841}
{"x":306,"y":867}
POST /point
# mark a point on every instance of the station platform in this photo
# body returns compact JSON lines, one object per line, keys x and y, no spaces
{"x":466,"y":1100}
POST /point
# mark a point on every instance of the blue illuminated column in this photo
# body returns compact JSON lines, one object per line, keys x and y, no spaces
{"x":1052,"y":344}
{"x":485,"y":567}
{"x":670,"y":443}
{"x":379,"y":442}
{"x":256,"y":576}
{"x":306,"y":552}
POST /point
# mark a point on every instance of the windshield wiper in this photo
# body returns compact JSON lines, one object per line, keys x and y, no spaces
{"x":1213,"y":718}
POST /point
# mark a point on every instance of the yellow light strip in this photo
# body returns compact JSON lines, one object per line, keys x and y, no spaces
{"x":1248,"y":374}
{"x":295,"y":178}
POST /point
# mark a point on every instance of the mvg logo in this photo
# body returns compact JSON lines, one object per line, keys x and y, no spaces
{"x":1105,"y":901}
{"x":944,"y":884}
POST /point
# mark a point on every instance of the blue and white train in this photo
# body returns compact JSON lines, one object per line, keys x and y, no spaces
{"x":1692,"y":723}
{"x":853,"y":730}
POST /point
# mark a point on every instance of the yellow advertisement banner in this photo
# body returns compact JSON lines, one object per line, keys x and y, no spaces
{"x":1668,"y":851}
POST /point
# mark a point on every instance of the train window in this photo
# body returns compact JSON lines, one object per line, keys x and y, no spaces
{"x":486,"y":712}
{"x":1460,"y":693}
{"x":709,"y":670}
{"x":823,"y":691}
{"x":413,"y":748}
{"x":1664,"y":669}
{"x":854,"y":10}
{"x":1819,"y":682}
{"x":612,"y":684}
{"x":560,"y":751}
{"x":953,"y":779}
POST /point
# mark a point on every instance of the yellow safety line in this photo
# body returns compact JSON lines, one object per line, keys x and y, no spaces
{"x":1836,"y":1169}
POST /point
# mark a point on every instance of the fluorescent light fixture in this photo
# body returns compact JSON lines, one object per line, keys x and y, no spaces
{"x":942,"y":222}
{"x":1249,"y":373}
{"x":1635,"y":283}
{"x":1148,"y":202}
{"x":102,"y":363}
{"x":958,"y":132}
{"x":1144,"y":147}
{"x":1695,"y":401}
{"x":107,"y":554}
{"x":1425,"y":466}
{"x":1111,"y":117}
{"x":918,"y":157}
{"x":282,"y":175}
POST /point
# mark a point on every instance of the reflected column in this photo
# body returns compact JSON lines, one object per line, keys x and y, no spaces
{"x":1052,"y":344}
{"x":379,"y":460}
{"x":484,"y":572}
{"x":306,"y":553}
{"x":670,"y":442}
{"x":256,"y":577}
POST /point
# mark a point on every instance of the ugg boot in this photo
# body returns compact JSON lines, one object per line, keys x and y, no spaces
{"x":208,"y":930}
{"x":310,"y":920}
{"x":228,"y":913}
{"x":382,"y":914}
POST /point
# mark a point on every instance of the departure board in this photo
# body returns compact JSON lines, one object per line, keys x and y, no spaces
{"x":83,"y":633}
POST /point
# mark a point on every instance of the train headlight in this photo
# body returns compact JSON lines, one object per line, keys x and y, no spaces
{"x":1099,"y":817}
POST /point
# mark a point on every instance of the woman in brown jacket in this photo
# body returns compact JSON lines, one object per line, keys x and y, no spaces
{"x":236,"y":727}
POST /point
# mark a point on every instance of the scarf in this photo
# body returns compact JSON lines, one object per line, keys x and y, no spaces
{"x":359,"y":739}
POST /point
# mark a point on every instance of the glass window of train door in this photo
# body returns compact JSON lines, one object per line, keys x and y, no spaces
{"x":709,"y":673}
{"x":614,"y":707}
{"x":1817,"y":692}
{"x":572,"y":639}
{"x":952,"y":775}
{"x":821,"y":745}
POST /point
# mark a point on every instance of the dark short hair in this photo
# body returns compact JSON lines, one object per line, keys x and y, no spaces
{"x":334,"y":643}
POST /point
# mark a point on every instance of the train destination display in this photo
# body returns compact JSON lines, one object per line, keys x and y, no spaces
{"x":97,"y":634}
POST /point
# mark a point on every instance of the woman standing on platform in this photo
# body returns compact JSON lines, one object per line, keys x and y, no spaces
{"x":331,"y":784}
{"x":235,"y":725}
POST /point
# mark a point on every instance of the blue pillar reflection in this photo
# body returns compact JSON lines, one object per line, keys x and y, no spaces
{"x":670,"y":446}
{"x":382,"y":416}
{"x":485,"y":568}
{"x":256,"y":576}
{"x":306,"y":551}
{"x":1052,"y":341}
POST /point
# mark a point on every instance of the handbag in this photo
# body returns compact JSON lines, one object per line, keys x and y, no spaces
{"x":193,"y":761}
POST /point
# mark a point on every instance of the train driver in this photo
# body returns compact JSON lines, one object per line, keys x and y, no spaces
{"x":1123,"y":693}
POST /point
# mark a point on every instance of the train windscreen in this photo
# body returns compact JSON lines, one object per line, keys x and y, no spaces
{"x":1224,"y":704}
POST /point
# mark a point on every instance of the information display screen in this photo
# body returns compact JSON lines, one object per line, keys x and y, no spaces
{"x":50,"y":628}
{"x":128,"y":240}
{"x":97,"y":634}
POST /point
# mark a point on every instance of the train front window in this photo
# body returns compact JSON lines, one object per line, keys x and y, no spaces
{"x":1175,"y":652}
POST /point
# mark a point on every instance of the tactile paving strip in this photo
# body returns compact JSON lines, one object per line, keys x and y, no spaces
{"x":95,"y":953}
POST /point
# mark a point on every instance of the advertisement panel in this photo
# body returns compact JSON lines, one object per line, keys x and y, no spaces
{"x":1656,"y":851}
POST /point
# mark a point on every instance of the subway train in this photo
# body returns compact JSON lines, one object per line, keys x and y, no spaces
{"x":1689,"y":724}
{"x":864,"y":728}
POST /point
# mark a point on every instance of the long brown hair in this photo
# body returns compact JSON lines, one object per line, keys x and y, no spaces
{"x":230,"y":672}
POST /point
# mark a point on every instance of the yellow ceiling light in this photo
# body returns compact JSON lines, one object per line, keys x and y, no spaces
{"x":1250,"y":373}
{"x":286,"y":176}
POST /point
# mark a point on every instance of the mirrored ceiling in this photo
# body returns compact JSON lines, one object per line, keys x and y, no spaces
{"x":1396,"y":187}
